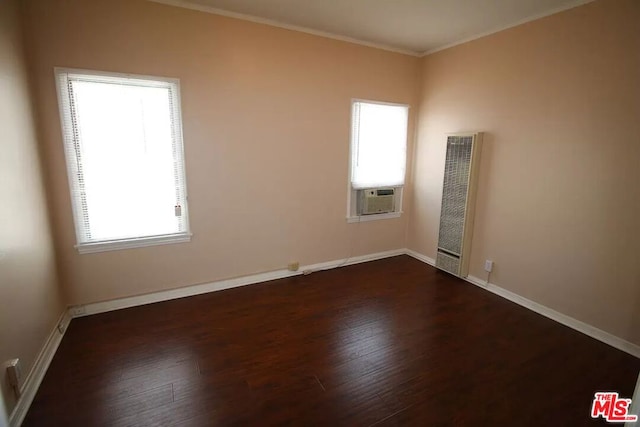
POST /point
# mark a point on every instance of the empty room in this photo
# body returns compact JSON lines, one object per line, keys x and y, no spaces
{"x":357,"y":212}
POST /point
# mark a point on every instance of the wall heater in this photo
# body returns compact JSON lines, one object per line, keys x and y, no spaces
{"x":458,"y":200}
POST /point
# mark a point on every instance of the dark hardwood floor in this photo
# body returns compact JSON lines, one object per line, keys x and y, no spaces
{"x":389,"y":342}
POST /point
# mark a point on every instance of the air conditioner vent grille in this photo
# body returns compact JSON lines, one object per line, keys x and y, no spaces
{"x":376,"y":201}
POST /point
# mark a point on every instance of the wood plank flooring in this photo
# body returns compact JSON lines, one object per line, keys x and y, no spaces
{"x":385,"y":343}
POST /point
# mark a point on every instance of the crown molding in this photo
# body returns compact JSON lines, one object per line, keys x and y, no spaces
{"x":252,"y":18}
{"x":578,"y":325}
{"x":256,"y":19}
{"x":568,"y":6}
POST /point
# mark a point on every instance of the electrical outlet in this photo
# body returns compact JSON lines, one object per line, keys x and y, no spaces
{"x":488,"y":266}
{"x":14,"y":372}
{"x":293,"y":266}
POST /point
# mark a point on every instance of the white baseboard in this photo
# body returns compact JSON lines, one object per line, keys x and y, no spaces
{"x":421,"y":257}
{"x":592,"y":331}
{"x":550,"y":313}
{"x":38,"y":370}
{"x":35,"y":376}
{"x":187,"y":291}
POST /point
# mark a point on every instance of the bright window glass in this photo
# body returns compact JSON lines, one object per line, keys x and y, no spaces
{"x":378,"y":144}
{"x":123,"y":142}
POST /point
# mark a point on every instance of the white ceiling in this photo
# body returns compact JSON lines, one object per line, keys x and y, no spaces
{"x":410,"y":26}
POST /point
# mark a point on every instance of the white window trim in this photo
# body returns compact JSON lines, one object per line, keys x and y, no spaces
{"x":352,"y":216}
{"x":373,"y":217}
{"x":114,"y":245}
{"x":129,"y":243}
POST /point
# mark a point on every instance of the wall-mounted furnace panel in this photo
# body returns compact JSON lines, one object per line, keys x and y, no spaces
{"x":458,"y":202}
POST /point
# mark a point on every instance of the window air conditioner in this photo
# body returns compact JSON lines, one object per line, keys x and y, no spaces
{"x":376,"y":201}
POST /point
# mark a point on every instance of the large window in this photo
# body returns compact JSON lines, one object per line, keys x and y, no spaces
{"x":378,"y":152}
{"x":123,"y":144}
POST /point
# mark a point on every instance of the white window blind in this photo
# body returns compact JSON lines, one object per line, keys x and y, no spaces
{"x":123,"y":144}
{"x":378,"y":144}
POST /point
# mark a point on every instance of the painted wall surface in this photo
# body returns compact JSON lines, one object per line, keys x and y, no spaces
{"x":266,"y":115}
{"x":559,"y":194}
{"x":31,"y":303}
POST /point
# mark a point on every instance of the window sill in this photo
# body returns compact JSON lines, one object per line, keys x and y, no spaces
{"x":114,"y":245}
{"x":373,"y":217}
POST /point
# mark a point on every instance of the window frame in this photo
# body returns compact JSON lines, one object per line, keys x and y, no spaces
{"x":352,"y":193}
{"x":61,"y":74}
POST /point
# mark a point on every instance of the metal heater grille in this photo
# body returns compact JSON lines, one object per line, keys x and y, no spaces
{"x":454,"y":194}
{"x":448,"y":263}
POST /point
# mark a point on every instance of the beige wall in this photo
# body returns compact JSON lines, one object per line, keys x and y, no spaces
{"x":31,"y":303}
{"x":266,"y":127}
{"x":266,"y":116}
{"x":559,"y":192}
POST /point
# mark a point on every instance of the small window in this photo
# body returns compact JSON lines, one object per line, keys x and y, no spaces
{"x":378,"y":160}
{"x":123,"y":145}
